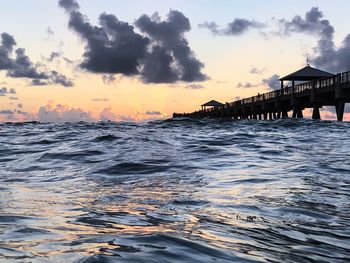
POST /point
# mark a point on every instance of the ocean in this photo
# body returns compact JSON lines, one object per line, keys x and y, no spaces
{"x":175,"y":191}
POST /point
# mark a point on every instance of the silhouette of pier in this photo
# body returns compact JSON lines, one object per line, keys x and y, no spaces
{"x":319,"y":88}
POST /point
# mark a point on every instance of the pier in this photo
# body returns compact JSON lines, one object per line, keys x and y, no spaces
{"x":318,"y":89}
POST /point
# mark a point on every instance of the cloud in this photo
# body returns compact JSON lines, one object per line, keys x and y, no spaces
{"x":194,"y":86}
{"x":69,"y":5}
{"x":124,"y":118}
{"x":327,"y":56}
{"x":107,"y":114}
{"x":62,"y":113}
{"x":7,"y":112}
{"x":53,"y":56}
{"x":50,"y":33}
{"x":331,"y":109}
{"x":153,"y":113}
{"x":247,"y":85}
{"x":20,"y":112}
{"x":272,"y":82}
{"x":100,"y":100}
{"x":236,"y":28}
{"x":68,"y":61}
{"x":109,"y":79}
{"x":58,"y":78}
{"x":257,"y":71}
{"x":171,"y":58}
{"x":111,"y":48}
{"x":5,"y":91}
{"x":22,"y":67}
{"x":38,"y":82}
{"x":163,"y":56}
{"x":311,"y":23}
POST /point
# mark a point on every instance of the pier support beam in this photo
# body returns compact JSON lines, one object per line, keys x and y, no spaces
{"x":340,"y":110}
{"x":316,"y":113}
{"x":265,"y":115}
{"x":284,"y":114}
{"x":298,"y":113}
{"x":279,"y":114}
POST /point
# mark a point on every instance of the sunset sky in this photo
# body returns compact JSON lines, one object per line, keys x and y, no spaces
{"x":135,"y":60}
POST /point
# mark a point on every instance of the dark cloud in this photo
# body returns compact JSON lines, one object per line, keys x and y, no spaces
{"x":108,"y":79}
{"x":38,"y":82}
{"x":153,"y":113}
{"x":7,"y":45}
{"x":237,"y":27}
{"x":331,"y":58}
{"x":58,"y":78}
{"x":5,"y":91}
{"x":311,"y":23}
{"x":69,"y":5}
{"x":68,"y":61}
{"x":194,"y":86}
{"x":55,"y":78}
{"x":171,"y":55}
{"x":272,"y":82}
{"x":157,"y":67}
{"x":53,"y":56}
{"x":327,"y":56}
{"x":163,"y":56}
{"x":212,"y":26}
{"x":22,"y":67}
{"x":111,"y":48}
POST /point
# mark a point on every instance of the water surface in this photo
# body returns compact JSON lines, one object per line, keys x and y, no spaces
{"x":175,"y":191}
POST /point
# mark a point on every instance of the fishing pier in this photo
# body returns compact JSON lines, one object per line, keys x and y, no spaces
{"x":317,"y":89}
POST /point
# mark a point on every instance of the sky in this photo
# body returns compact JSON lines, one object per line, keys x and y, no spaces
{"x":136,"y":60}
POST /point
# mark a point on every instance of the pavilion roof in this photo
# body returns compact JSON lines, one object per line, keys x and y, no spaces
{"x":212,"y":103}
{"x":307,"y":73}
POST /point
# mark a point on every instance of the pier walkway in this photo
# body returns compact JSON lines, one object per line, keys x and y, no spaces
{"x":333,"y":90}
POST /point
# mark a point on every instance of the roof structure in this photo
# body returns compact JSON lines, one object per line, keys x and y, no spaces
{"x":307,"y":73}
{"x":212,"y":103}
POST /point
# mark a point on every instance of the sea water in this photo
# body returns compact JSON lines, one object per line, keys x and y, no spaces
{"x":175,"y":191}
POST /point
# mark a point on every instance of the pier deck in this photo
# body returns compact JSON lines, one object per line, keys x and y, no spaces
{"x":330,"y":91}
